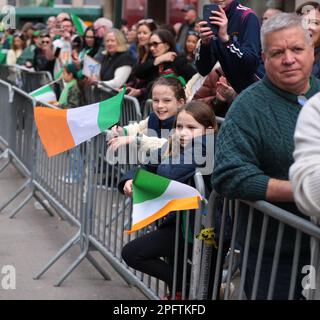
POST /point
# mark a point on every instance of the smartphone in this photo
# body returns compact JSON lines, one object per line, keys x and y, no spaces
{"x":207,"y":8}
{"x":57,"y":52}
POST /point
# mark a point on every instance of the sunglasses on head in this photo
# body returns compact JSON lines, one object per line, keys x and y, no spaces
{"x":145,"y":21}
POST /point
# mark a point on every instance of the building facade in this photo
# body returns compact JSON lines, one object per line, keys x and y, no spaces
{"x":163,"y":11}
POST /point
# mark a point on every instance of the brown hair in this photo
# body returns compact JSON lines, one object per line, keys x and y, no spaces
{"x":174,"y":84}
{"x":201,"y":112}
{"x":143,"y":51}
{"x":22,"y":38}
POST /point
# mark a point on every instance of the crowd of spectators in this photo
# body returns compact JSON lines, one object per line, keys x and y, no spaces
{"x":257,"y":73}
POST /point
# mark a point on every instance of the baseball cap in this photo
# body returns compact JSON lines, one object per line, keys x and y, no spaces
{"x":189,"y":7}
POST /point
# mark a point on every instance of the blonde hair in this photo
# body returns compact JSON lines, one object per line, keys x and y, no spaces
{"x":120,"y":38}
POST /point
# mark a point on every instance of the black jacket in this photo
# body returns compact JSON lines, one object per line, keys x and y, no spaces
{"x":110,"y":63}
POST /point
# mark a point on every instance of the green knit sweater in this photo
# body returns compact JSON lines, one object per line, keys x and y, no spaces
{"x":256,"y":143}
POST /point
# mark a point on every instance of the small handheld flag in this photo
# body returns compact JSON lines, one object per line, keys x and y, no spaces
{"x":155,"y":196}
{"x":61,"y":130}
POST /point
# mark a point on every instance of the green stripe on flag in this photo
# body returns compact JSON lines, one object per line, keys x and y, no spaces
{"x":148,"y":186}
{"x":79,"y":24}
{"x":41,"y":91}
{"x":110,"y":111}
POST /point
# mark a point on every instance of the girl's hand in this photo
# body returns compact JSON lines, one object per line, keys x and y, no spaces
{"x":220,"y":19}
{"x":127,"y":189}
{"x":224,"y":91}
{"x":117,"y":142}
{"x":117,"y":131}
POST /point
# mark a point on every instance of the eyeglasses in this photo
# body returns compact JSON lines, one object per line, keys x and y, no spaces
{"x":89,"y":37}
{"x":45,"y":42}
{"x":154,"y":44}
{"x":97,"y":28}
{"x":145,"y":21}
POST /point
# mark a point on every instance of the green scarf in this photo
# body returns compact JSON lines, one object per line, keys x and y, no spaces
{"x":63,"y":100}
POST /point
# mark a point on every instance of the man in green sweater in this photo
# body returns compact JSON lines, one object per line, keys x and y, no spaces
{"x":255,"y":146}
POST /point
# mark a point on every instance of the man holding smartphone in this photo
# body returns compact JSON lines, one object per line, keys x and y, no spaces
{"x":236,"y":44}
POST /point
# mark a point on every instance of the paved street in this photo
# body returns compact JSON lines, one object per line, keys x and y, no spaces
{"x":28,"y":241}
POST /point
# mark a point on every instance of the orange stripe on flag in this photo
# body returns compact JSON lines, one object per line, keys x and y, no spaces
{"x":173,"y":205}
{"x":53,"y":130}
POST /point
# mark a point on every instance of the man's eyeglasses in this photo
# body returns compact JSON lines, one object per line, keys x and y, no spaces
{"x":97,"y":28}
{"x":45,"y":42}
{"x":154,"y":44}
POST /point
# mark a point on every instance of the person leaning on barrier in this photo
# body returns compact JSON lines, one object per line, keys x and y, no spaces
{"x":194,"y":126}
{"x":255,"y":145}
{"x":305,"y":172}
{"x":236,"y":46}
{"x":152,"y":133}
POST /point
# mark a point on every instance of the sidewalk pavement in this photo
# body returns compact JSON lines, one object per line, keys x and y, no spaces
{"x":28,"y":241}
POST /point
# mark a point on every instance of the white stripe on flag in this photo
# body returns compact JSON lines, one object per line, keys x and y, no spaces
{"x":147,"y":208}
{"x":47,"y":97}
{"x":83,"y":122}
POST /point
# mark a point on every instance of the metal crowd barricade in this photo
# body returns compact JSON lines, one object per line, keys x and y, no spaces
{"x":6,"y":99}
{"x":268,"y":214}
{"x":75,"y":201}
{"x":147,"y":108}
{"x":32,"y":80}
{"x":112,"y":216}
{"x":10,"y":74}
{"x":21,"y":143}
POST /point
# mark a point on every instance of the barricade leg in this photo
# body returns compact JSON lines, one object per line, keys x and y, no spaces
{"x":59,"y":254}
{"x":21,"y":205}
{"x":19,"y":191}
{"x":47,"y":208}
{"x":93,"y":261}
{"x":4,"y":154}
{"x":2,"y":168}
{"x":72,"y":267}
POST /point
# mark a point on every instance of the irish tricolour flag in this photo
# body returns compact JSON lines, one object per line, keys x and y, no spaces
{"x":44,"y":94}
{"x":61,"y":130}
{"x":79,"y":24}
{"x":155,"y":196}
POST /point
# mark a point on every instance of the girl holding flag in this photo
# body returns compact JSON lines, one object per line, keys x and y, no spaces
{"x":195,"y":123}
{"x":167,"y":96}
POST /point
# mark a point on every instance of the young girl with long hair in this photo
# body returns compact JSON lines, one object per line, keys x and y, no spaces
{"x":194,"y":122}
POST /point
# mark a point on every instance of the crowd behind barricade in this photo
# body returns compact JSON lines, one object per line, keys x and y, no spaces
{"x":258,"y":74}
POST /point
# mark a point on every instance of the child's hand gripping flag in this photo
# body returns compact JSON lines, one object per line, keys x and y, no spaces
{"x":61,"y":130}
{"x":155,"y":196}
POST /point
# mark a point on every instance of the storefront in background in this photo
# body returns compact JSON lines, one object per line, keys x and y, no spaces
{"x":164,"y":11}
